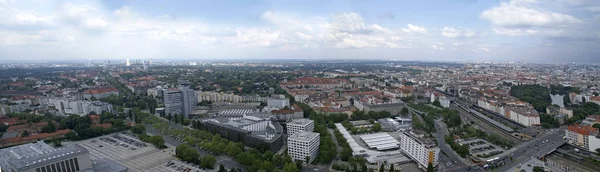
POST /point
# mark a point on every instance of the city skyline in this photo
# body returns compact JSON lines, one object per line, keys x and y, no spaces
{"x":470,"y":30}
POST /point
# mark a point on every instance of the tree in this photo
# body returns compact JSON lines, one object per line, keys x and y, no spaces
{"x":437,"y":103}
{"x":307,"y":159}
{"x":25,"y":133}
{"x":138,"y":129}
{"x":290,"y":167}
{"x":391,"y":167}
{"x":538,"y":169}
{"x":381,"y":168}
{"x":404,"y":111}
{"x":185,"y":153}
{"x":208,"y":161}
{"x":49,"y":128}
{"x":596,"y":125}
{"x":429,"y":167}
{"x":376,"y":127}
{"x":222,"y":168}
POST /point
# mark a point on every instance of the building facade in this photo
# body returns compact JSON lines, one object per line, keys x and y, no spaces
{"x":303,"y":144}
{"x":580,"y":135}
{"x":299,"y":125}
{"x":419,"y":151}
{"x":180,"y":101}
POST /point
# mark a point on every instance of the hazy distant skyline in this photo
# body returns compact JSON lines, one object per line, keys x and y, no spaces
{"x":461,"y":30}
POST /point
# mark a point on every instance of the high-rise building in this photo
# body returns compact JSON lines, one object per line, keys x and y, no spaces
{"x":180,"y":101}
{"x":303,"y":144}
{"x":420,"y":150}
{"x":127,"y":63}
{"x":299,"y":125}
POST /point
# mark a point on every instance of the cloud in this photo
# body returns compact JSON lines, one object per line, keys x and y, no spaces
{"x":415,"y":29}
{"x":594,"y":9}
{"x":523,"y":17}
{"x":458,"y":33}
{"x":437,"y":47}
{"x":351,"y":23}
{"x":509,"y":15}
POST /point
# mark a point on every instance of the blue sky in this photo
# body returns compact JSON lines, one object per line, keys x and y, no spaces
{"x":458,"y":30}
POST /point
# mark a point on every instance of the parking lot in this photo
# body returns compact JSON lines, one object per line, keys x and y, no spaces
{"x":128,"y":151}
{"x":178,"y":166}
{"x":480,"y":147}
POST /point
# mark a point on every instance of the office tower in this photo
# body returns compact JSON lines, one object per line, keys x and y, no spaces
{"x":303,"y":144}
{"x":180,"y":101}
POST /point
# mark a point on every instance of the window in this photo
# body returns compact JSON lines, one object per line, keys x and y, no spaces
{"x":76,"y":164}
{"x":53,"y":168}
{"x":36,"y":170}
{"x":67,"y":164}
{"x":72,"y":165}
{"x":62,"y":164}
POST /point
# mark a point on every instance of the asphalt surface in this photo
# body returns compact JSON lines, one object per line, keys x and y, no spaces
{"x":228,"y":162}
{"x":459,"y":164}
{"x":536,"y":148}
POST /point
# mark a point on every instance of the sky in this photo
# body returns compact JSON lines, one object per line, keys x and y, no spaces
{"x":441,"y":30}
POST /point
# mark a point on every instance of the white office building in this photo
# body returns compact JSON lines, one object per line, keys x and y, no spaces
{"x":303,"y":144}
{"x":421,"y":151}
{"x":299,"y":125}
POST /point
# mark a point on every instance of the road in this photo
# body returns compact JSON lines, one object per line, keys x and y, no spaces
{"x":536,"y":148}
{"x":459,"y":164}
{"x":228,"y":162}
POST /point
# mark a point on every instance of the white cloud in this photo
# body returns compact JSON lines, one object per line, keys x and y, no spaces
{"x":458,"y":43}
{"x":510,"y":15}
{"x":437,"y":47}
{"x":415,"y":29}
{"x":458,"y":33}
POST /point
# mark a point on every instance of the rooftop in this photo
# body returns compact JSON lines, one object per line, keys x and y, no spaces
{"x":304,"y":136}
{"x":301,"y":121}
{"x":380,"y":141}
{"x":49,"y":156}
{"x":22,"y":151}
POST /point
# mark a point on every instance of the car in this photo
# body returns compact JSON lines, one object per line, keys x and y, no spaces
{"x":101,"y":146}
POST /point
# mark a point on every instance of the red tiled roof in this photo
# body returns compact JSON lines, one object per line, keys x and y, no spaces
{"x":100,"y":90}
{"x":34,"y":137}
{"x":583,"y":130}
{"x":24,"y":126}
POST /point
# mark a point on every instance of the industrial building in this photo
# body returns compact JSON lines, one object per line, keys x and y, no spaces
{"x":303,"y":144}
{"x":380,"y":141}
{"x":299,"y":125}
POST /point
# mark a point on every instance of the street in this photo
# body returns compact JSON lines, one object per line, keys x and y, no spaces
{"x":459,"y":164}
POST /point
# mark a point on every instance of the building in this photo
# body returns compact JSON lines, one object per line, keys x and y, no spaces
{"x":278,"y":102}
{"x":180,"y":101}
{"x":41,"y":157}
{"x":155,"y":92}
{"x":380,"y":141}
{"x":418,"y":149}
{"x":444,"y":102}
{"x":317,"y":83}
{"x":392,"y":108}
{"x":288,"y":114}
{"x":591,"y":120}
{"x":303,"y":144}
{"x":299,"y":125}
{"x":95,"y":94}
{"x":256,"y":130}
{"x":579,"y":135}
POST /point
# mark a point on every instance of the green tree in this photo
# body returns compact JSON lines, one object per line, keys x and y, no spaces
{"x":138,"y":129}
{"x":429,"y":167}
{"x":382,"y":168}
{"x":290,"y":167}
{"x":208,"y":161}
{"x":49,"y":128}
{"x":185,"y":153}
{"x":391,"y":167}
{"x":538,"y":169}
{"x":376,"y":127}
{"x":437,"y":103}
{"x":222,"y":168}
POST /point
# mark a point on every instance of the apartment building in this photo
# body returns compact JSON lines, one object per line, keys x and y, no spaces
{"x":420,"y":150}
{"x":299,"y":125}
{"x":303,"y":144}
{"x":180,"y":101}
{"x":579,"y":135}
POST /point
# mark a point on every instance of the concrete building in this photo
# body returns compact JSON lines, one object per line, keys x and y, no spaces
{"x":418,"y":149}
{"x":293,"y":112}
{"x":180,"y":101}
{"x":41,"y":157}
{"x":299,"y":125}
{"x":99,"y":93}
{"x":303,"y":144}
{"x":445,"y":102}
{"x":255,"y":130}
{"x":278,"y":102}
{"x":79,"y":107}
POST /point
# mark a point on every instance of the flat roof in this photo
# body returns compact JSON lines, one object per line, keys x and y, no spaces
{"x":301,"y":121}
{"x":304,"y":135}
{"x":22,"y":151}
{"x":380,"y":141}
{"x":50,"y":156}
